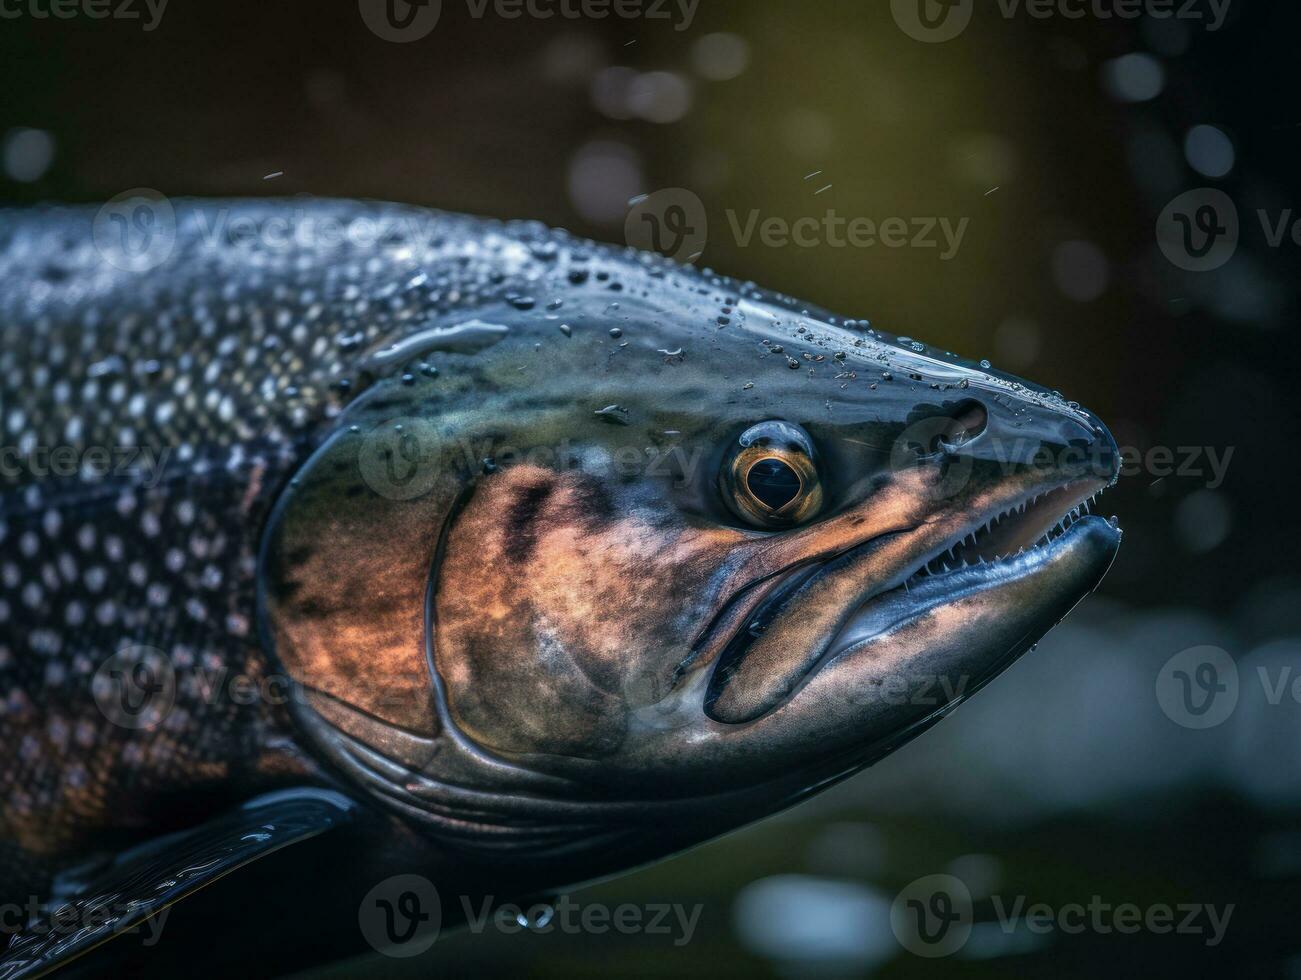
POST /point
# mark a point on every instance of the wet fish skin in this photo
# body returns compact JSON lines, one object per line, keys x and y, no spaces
{"x":206,"y":382}
{"x":255,"y":370}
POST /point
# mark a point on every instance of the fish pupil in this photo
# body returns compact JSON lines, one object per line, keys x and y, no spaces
{"x":773,"y":483}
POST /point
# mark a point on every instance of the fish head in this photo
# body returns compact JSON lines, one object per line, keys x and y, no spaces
{"x":675,"y":563}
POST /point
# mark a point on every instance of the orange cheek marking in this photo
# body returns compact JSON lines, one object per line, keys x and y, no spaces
{"x":553,"y":597}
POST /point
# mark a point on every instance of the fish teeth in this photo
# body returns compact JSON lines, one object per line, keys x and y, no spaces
{"x":963,"y":553}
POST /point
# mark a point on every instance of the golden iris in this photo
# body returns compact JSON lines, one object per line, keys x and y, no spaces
{"x":771,"y":478}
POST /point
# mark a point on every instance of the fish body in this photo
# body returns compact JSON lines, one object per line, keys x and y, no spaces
{"x":149,"y":421}
{"x":550,"y":554}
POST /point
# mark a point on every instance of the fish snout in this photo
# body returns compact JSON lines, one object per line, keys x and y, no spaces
{"x":1057,"y":440}
{"x":1103,"y":451}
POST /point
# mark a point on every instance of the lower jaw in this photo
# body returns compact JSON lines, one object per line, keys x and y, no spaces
{"x":922,"y":593}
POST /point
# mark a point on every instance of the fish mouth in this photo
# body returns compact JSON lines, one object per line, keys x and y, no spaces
{"x":913,"y":572}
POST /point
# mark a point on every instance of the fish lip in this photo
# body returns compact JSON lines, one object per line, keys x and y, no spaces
{"x":1075,"y":491}
{"x":708,"y":650}
{"x":958,"y":583}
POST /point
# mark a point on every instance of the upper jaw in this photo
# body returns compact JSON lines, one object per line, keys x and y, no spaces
{"x":1009,"y":520}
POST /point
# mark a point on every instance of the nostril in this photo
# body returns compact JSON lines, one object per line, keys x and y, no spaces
{"x":967,"y":420}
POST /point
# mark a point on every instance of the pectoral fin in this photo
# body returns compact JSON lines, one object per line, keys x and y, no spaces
{"x":143,"y":882}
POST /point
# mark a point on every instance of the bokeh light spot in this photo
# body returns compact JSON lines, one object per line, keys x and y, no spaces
{"x":1209,"y":151}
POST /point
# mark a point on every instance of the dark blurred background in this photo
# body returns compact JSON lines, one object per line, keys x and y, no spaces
{"x":1061,"y":140}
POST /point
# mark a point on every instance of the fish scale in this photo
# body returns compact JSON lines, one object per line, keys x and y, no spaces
{"x":225,"y":366}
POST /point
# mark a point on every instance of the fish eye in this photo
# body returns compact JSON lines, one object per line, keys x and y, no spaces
{"x":770,"y":477}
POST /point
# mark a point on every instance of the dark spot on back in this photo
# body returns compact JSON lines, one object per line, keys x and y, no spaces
{"x":592,"y":503}
{"x":521,"y":520}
